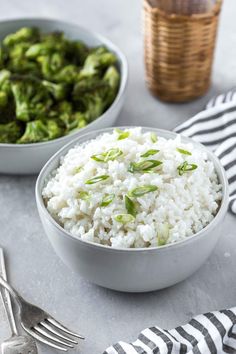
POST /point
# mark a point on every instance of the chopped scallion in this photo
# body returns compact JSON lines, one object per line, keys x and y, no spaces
{"x":130,"y":206}
{"x":150,"y":152}
{"x":184,"y":152}
{"x":153,"y":137}
{"x":140,"y":191}
{"x":97,"y":179}
{"x":107,"y":199}
{"x":143,"y":166}
{"x":163,"y":234}
{"x":186,"y":167}
{"x":124,"y":218}
{"x":121,"y":134}
{"x":109,"y":155}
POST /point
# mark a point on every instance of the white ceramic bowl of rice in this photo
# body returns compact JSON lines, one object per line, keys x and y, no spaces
{"x":136,"y":209}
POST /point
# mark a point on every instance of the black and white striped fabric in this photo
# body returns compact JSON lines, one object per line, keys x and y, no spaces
{"x":215,"y":127}
{"x":211,"y":333}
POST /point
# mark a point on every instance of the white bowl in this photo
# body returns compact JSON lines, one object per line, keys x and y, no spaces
{"x":132,"y":270}
{"x":30,"y":158}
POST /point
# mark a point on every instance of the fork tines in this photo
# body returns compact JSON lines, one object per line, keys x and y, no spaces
{"x":52,"y":333}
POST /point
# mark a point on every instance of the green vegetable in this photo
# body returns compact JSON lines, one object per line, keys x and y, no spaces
{"x":31,"y":98}
{"x":124,"y":218}
{"x":121,"y":134}
{"x":99,"y":59}
{"x":163,"y":234}
{"x":109,"y":155}
{"x":97,"y":179}
{"x":107,"y":199}
{"x":10,"y":132}
{"x":84,"y":195}
{"x":58,"y":91}
{"x":78,"y":169}
{"x":22,"y":35}
{"x":140,"y":191}
{"x":143,"y":166}
{"x":130,"y":206}
{"x":45,"y":76}
{"x":39,"y":130}
{"x":184,"y":152}
{"x":150,"y":153}
{"x":153,"y":137}
{"x":186,"y":167}
{"x":3,"y":99}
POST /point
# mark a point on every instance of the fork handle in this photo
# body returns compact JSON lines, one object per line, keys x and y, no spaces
{"x":6,"y":296}
{"x":12,"y":291}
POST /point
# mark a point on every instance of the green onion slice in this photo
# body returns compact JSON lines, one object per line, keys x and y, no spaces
{"x":186,"y":167}
{"x":84,"y":195}
{"x":78,"y":169}
{"x":150,"y":152}
{"x":97,"y":179}
{"x":112,"y":154}
{"x":184,"y":152}
{"x":130,"y":206}
{"x":163,"y":234}
{"x":124,"y":218}
{"x":107,"y":199}
{"x":98,"y":157}
{"x":121,"y":134}
{"x":140,"y":191}
{"x":109,"y":155}
{"x":143,"y":166}
{"x":153,"y":137}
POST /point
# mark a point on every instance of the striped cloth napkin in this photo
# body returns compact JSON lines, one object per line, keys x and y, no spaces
{"x":215,"y":127}
{"x":213,"y":332}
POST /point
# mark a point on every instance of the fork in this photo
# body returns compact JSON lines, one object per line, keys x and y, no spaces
{"x":40,"y":325}
{"x":17,"y":343}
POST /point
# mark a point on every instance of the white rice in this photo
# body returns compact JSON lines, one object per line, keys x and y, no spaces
{"x":180,"y":207}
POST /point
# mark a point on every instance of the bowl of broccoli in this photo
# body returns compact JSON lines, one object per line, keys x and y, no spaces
{"x":57,"y":81}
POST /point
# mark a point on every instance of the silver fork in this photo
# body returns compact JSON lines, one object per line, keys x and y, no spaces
{"x":17,"y":343}
{"x":40,"y":325}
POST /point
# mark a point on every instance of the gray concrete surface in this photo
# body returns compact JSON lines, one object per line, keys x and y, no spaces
{"x":101,"y":315}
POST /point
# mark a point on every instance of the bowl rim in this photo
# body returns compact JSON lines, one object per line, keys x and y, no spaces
{"x":217,"y":218}
{"x":123,"y":78}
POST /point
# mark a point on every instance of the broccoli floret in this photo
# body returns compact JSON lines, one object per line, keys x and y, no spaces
{"x":50,"y":65}
{"x":93,"y":105}
{"x":77,"y":51}
{"x":5,"y":85}
{"x":3,"y":99}
{"x":31,"y":98}
{"x":19,"y":50}
{"x":39,"y":130}
{"x":95,"y":95}
{"x":10,"y":132}
{"x":73,"y":121}
{"x":97,"y":60}
{"x":67,"y":74}
{"x":44,"y":48}
{"x":79,"y":121}
{"x":88,"y":85}
{"x":24,"y":34}
{"x":112,"y":78}
{"x":58,"y":91}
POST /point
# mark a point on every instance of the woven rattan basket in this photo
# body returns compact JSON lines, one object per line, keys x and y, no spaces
{"x":178,"y":52}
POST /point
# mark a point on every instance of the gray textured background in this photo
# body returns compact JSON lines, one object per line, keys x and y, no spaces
{"x":101,"y":315}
